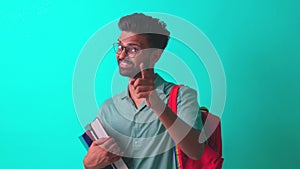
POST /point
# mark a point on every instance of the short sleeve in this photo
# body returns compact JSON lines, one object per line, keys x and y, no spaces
{"x":188,"y":107}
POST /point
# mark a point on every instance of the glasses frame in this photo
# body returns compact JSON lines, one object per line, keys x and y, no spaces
{"x":116,"y":46}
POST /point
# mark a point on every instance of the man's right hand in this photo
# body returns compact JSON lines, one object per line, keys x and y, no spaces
{"x":101,"y":153}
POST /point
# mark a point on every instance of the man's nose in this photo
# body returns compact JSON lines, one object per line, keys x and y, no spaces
{"x":122,"y":55}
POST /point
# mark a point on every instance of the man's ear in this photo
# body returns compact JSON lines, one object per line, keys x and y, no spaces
{"x":155,"y":55}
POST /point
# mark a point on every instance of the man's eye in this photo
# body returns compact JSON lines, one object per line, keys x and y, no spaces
{"x":133,"y":50}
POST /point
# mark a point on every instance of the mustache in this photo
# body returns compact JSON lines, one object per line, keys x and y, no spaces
{"x":125,"y":60}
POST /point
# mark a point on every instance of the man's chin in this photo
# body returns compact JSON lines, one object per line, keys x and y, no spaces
{"x":126,"y":72}
{"x":129,"y":73}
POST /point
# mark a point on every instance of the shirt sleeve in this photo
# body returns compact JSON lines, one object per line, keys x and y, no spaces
{"x":188,"y":107}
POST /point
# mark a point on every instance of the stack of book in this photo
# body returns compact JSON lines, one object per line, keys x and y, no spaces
{"x":95,"y":131}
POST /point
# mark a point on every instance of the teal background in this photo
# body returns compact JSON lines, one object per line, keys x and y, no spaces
{"x":257,"y":41}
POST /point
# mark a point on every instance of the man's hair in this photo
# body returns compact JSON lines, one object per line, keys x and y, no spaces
{"x":152,"y":28}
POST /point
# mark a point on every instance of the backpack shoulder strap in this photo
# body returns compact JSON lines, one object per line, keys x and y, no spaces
{"x":172,"y":102}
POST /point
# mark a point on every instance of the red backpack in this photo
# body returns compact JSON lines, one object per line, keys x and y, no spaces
{"x":212,"y":154}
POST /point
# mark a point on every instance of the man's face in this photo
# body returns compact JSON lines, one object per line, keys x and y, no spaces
{"x":130,"y":65}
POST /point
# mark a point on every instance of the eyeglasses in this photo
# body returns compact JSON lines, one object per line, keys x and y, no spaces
{"x":130,"y":51}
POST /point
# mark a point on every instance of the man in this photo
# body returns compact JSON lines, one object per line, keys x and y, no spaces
{"x":143,"y":130}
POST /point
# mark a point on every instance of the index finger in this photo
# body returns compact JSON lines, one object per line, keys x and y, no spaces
{"x":143,"y":71}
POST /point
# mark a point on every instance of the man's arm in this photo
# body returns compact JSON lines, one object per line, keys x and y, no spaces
{"x":183,"y":134}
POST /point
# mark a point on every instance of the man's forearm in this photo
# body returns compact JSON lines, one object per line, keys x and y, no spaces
{"x":183,"y":134}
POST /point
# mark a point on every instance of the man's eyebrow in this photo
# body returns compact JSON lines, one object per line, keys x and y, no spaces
{"x":131,"y":44}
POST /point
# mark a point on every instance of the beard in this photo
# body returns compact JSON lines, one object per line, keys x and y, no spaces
{"x":127,"y":68}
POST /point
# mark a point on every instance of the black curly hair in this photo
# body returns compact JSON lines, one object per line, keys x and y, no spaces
{"x":152,"y":28}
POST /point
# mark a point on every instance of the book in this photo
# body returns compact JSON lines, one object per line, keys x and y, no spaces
{"x":93,"y":132}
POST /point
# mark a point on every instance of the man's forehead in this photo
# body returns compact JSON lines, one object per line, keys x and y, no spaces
{"x":130,"y":37}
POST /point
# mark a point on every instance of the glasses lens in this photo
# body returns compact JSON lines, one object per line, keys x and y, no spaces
{"x":129,"y":50}
{"x":116,"y":47}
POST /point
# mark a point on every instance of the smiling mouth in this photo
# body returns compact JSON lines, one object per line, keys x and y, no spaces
{"x":125,"y":64}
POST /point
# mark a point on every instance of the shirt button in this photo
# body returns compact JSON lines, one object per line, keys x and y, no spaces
{"x":135,"y":142}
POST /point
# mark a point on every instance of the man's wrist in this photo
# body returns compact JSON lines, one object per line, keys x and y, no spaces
{"x":157,"y":105}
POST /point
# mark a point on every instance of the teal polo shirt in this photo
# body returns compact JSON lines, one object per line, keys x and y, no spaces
{"x":138,"y":131}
